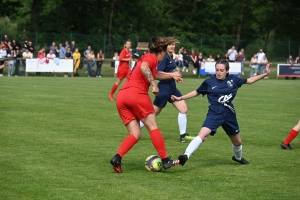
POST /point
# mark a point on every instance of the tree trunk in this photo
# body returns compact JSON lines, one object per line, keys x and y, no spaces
{"x":239,"y":25}
{"x":110,"y":26}
{"x":35,"y":10}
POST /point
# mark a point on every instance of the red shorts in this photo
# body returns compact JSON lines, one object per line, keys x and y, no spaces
{"x":123,"y":72}
{"x":133,"y":105}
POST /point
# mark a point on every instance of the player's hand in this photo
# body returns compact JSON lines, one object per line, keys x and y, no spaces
{"x":175,"y":98}
{"x":178,"y":79}
{"x":155,"y":90}
{"x":268,"y":68}
{"x":177,"y":73}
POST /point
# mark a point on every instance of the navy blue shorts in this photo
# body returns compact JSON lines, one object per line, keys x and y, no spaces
{"x":225,"y":119}
{"x":164,"y":95}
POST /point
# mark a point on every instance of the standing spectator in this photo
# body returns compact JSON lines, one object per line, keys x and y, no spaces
{"x":3,"y":54}
{"x":62,"y":51}
{"x":186,"y":61}
{"x":241,"y":58}
{"x":261,"y":66}
{"x":11,"y":63}
{"x":291,"y":136}
{"x":86,"y":54}
{"x":232,"y":53}
{"x":100,"y":59}
{"x":221,"y":91}
{"x":18,"y":61}
{"x":73,"y":47}
{"x":134,"y":103}
{"x":123,"y":69}
{"x":8,"y":47}
{"x":68,"y":55}
{"x":253,"y":65}
{"x":67,"y":45}
{"x":193,"y":56}
{"x":25,"y":46}
{"x":54,"y":48}
{"x":26,"y":55}
{"x":76,"y":58}
{"x":264,"y":62}
{"x":217,"y":58}
{"x":179,"y":63}
{"x":91,"y":62}
{"x":31,"y":48}
{"x":5,"y":39}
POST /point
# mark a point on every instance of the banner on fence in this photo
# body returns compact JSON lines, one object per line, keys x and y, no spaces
{"x":288,"y":70}
{"x":209,"y":68}
{"x":42,"y":65}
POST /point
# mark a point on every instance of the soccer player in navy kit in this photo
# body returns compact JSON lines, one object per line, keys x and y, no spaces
{"x":167,"y":88}
{"x":220,"y":89}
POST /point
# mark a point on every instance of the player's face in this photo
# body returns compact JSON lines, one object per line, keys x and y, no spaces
{"x":128,"y":45}
{"x":170,"y":48}
{"x":161,"y":55}
{"x":221,"y":71}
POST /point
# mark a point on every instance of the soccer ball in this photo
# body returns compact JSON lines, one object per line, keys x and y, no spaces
{"x":153,"y":163}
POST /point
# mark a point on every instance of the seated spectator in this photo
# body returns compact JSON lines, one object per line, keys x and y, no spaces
{"x":226,"y":57}
{"x":290,"y":60}
{"x":210,"y":59}
{"x":51,"y":55}
{"x":297,"y":61}
{"x":40,"y":59}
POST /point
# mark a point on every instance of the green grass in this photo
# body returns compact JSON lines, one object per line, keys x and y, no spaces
{"x":57,"y":136}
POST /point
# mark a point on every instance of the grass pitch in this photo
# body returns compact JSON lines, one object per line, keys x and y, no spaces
{"x":58,"y":135}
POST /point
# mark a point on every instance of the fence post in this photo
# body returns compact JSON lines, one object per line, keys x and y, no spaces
{"x":201,"y":45}
{"x":36,"y":39}
{"x":289,"y":48}
{"x":104,"y":44}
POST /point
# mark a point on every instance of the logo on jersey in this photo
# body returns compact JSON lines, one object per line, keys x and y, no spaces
{"x":225,"y":98}
{"x":214,"y":87}
{"x":230,"y":83}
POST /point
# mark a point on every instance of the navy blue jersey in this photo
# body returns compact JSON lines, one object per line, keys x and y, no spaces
{"x":220,"y":93}
{"x":167,"y":65}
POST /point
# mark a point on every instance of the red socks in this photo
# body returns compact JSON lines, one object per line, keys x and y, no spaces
{"x":159,"y":143}
{"x":113,"y":89}
{"x":126,"y":145}
{"x":293,"y":133}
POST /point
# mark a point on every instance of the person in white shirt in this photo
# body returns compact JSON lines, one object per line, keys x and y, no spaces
{"x":261,"y":66}
{"x":11,"y":63}
{"x":232,"y":54}
{"x":51,"y":55}
{"x":26,"y":55}
{"x":3,"y":54}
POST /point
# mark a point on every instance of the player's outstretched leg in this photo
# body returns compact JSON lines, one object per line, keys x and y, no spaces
{"x":116,"y":163}
{"x":168,"y":163}
{"x":183,"y":158}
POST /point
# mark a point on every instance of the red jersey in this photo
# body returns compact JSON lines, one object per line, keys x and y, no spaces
{"x":124,"y":65}
{"x":136,"y":78}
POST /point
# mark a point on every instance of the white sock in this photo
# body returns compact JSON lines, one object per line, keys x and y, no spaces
{"x":193,"y":146}
{"x":182,"y":121}
{"x":141,"y":124}
{"x":237,"y":150}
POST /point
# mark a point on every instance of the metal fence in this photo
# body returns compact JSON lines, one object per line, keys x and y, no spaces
{"x":275,"y":50}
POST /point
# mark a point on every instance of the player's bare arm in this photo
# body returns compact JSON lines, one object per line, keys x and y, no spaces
{"x":169,"y":75}
{"x":187,"y":96}
{"x":148,"y":74}
{"x":257,"y":78}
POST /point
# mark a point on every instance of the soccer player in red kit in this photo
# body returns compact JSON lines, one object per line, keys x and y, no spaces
{"x":123,"y":69}
{"x":134,"y":103}
{"x":291,"y":136}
